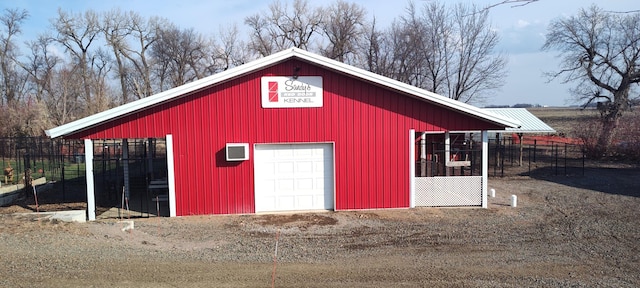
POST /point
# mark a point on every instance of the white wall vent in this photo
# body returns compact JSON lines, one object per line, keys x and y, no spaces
{"x":237,"y":151}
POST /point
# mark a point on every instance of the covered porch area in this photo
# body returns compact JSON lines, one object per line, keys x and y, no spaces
{"x":449,"y":169}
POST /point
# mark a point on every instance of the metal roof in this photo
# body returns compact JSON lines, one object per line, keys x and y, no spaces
{"x":529,"y":122}
{"x":264,"y":62}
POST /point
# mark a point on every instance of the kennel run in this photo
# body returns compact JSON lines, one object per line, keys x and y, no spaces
{"x":297,"y":131}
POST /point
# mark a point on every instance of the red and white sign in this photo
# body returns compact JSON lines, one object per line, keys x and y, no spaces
{"x":289,"y":92}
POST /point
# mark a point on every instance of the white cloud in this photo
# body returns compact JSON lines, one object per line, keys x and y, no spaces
{"x":522,"y":23}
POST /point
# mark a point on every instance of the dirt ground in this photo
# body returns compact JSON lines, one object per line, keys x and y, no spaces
{"x":578,"y":231}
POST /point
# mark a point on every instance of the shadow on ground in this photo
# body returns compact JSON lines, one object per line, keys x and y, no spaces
{"x":55,"y":196}
{"x":620,"y":181}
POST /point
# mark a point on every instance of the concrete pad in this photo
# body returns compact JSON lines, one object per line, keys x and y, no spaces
{"x":78,"y":216}
{"x":7,"y":189}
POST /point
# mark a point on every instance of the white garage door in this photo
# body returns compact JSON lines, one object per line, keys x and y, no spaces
{"x":292,"y":177}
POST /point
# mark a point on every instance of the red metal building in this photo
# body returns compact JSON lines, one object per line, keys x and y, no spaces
{"x":291,"y":131}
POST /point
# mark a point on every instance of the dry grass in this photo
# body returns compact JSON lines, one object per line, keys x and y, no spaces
{"x":564,"y":120}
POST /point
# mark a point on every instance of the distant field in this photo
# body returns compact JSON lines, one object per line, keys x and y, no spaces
{"x":563,"y":120}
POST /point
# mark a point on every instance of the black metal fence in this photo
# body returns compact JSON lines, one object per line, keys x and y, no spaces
{"x":464,"y":160}
{"x":63,"y":160}
{"x":509,"y":156}
{"x":35,"y":157}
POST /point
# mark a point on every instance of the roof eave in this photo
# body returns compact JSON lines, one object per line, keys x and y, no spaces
{"x":123,"y":110}
{"x":126,"y":109}
{"x":409,"y":89}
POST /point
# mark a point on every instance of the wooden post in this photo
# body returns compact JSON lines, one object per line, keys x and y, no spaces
{"x":521,"y":137}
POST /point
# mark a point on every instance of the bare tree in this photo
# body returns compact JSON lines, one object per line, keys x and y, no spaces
{"x":600,"y":53}
{"x":513,"y":3}
{"x":76,"y":33}
{"x":375,"y":51}
{"x":63,"y":101}
{"x":115,"y":27}
{"x":130,"y":37}
{"x":40,"y":66}
{"x":13,"y":81}
{"x":411,"y":39}
{"x":104,"y":97}
{"x":449,"y":51}
{"x":144,"y":33}
{"x":262,"y":42}
{"x":477,"y":68}
{"x":441,"y":45}
{"x":230,"y":50}
{"x":182,"y":56}
{"x":344,"y":29}
{"x":281,"y":29}
{"x":54,"y":85}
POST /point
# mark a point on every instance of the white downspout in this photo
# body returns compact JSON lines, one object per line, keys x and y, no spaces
{"x":485,"y":166}
{"x":171,"y":176}
{"x":412,"y":168}
{"x":91,"y":198}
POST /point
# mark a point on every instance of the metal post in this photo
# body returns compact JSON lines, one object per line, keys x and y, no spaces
{"x":423,"y":154}
{"x":27,"y":174}
{"x":565,"y":159}
{"x":62,"y":173}
{"x":502,"y":161}
{"x":125,"y":168}
{"x":511,"y":151}
{"x":447,"y":152}
{"x":535,"y":148}
{"x":529,"y":159}
{"x":495,"y":158}
{"x":583,"y":156}
{"x":556,"y":158}
{"x":77,"y":162}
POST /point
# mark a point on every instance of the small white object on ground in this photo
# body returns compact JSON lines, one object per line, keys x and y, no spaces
{"x":129,"y":225}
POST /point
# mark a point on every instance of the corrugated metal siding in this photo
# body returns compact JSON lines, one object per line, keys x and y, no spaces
{"x":529,"y":123}
{"x":369,"y":125}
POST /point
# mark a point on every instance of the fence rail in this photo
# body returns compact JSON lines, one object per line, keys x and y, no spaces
{"x":63,"y":160}
{"x":510,"y":157}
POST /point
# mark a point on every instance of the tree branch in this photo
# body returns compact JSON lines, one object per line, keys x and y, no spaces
{"x":516,"y":3}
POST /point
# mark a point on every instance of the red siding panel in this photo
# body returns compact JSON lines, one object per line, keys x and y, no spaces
{"x":368,"y":124}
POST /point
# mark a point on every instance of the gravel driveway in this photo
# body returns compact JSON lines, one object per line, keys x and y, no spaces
{"x":566,"y":232}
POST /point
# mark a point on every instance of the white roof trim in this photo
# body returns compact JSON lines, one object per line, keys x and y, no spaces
{"x":179,"y":91}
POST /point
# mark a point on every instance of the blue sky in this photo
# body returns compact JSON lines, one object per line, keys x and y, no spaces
{"x":521,"y":30}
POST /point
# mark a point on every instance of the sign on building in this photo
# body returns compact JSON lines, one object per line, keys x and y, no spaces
{"x":290,"y":92}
